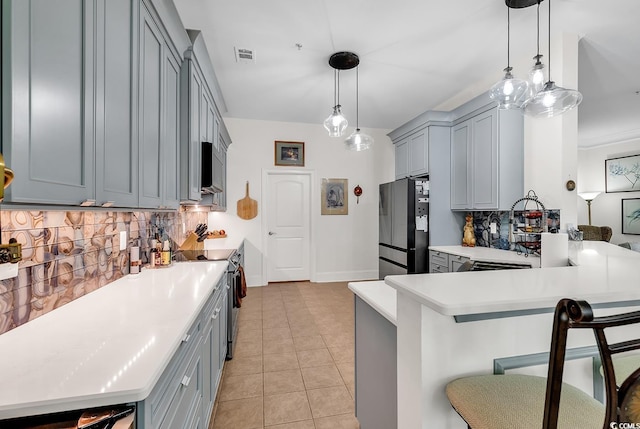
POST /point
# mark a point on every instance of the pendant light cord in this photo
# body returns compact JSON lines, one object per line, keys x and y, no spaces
{"x":549,"y":61}
{"x":335,"y":87}
{"x":508,"y":37}
{"x":357,"y":100}
{"x":538,"y":31}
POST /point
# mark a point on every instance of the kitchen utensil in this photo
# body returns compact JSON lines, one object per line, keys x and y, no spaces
{"x":190,"y":242}
{"x":247,"y":207}
{"x":201,"y":231}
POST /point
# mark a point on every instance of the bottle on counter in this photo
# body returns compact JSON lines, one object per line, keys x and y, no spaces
{"x":154,"y":254}
{"x":166,"y":254}
{"x":134,"y":260}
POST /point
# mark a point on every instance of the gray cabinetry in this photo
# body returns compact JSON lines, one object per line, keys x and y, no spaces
{"x":487,"y":156}
{"x":99,"y":127}
{"x":47,"y":120}
{"x":412,"y":155}
{"x":438,"y":262}
{"x":455,"y":262}
{"x":185,"y":393}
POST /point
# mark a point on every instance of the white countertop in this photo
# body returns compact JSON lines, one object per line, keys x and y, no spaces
{"x":488,"y":254}
{"x":604,"y":273}
{"x":378,"y":295}
{"x":107,"y":347}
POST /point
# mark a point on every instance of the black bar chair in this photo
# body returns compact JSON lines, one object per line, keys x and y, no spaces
{"x":524,"y":401}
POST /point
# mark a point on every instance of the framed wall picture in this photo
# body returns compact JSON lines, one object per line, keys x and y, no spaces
{"x":335,"y":200}
{"x":622,"y":174}
{"x":631,"y":216}
{"x":289,"y":153}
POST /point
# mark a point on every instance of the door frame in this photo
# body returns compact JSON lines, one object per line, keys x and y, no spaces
{"x":313,"y":209}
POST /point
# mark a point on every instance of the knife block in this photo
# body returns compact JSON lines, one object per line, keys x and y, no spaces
{"x":192,"y":243}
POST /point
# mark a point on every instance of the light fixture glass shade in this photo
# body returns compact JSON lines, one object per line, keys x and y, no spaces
{"x":510,"y":92}
{"x":358,"y":141}
{"x":536,"y":78}
{"x":552,"y":101}
{"x":589,"y":196}
{"x":336,"y":123}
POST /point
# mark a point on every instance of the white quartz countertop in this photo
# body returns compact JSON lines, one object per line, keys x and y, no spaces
{"x":604,"y":273}
{"x":488,"y":254}
{"x":107,"y":347}
{"x":378,"y":295}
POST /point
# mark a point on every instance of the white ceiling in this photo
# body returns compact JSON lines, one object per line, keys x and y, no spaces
{"x":414,"y":56}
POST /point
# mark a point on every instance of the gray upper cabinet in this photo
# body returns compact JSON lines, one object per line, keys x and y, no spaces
{"x":116,"y":103}
{"x":47,"y":120}
{"x":487,"y":156}
{"x":91,"y":102}
{"x":201,"y":122}
{"x":412,"y":155}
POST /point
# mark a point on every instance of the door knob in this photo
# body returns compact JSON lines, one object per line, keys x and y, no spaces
{"x":272,"y":233}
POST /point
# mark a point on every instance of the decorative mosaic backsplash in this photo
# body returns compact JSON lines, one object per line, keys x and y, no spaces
{"x":482,"y":227}
{"x":67,"y":254}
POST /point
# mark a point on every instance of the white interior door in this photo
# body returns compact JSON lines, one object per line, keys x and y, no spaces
{"x":288,"y":227}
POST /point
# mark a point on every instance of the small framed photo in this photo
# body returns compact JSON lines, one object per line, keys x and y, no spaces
{"x":334,"y":198}
{"x":289,"y":153}
{"x":622,"y":174}
{"x":631,"y":216}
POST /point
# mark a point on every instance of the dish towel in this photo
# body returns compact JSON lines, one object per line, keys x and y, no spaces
{"x":241,"y":289}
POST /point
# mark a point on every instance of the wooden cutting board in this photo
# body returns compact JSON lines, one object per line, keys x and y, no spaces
{"x":247,"y":207}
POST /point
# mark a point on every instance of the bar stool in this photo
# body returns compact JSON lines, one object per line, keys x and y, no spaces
{"x":524,"y":401}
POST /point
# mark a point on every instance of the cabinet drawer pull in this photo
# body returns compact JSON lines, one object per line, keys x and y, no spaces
{"x":185,"y":381}
{"x":216,"y":312}
{"x":108,"y":203}
{"x":186,"y":338}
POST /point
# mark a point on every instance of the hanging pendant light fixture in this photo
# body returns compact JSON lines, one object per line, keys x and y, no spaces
{"x":336,"y":123}
{"x":510,"y":92}
{"x":358,"y":140}
{"x":552,"y":100}
{"x":536,"y":74}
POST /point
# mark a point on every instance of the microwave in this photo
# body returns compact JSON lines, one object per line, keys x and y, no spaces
{"x":206,"y":181}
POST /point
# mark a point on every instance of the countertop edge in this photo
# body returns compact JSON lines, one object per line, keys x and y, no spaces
{"x":374,"y":293}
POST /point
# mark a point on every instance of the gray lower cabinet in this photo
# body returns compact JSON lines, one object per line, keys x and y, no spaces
{"x":184,"y":395}
{"x":487,"y":161}
{"x":438,"y":262}
{"x":456,"y":261}
{"x":376,"y":369}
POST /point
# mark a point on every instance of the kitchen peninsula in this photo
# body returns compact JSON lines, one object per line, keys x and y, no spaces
{"x":455,"y":324}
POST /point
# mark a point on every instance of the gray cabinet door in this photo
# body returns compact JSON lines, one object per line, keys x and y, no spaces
{"x":191,"y":145}
{"x":485,"y":161}
{"x":402,"y":159}
{"x":117,"y":103}
{"x":171,"y":137}
{"x":151,"y":66}
{"x":47,"y":132}
{"x":419,"y":153}
{"x":460,"y":156}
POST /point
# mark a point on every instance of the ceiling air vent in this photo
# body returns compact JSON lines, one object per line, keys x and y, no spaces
{"x":244,"y":55}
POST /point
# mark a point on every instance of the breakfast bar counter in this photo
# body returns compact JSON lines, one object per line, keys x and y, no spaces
{"x":455,"y":324}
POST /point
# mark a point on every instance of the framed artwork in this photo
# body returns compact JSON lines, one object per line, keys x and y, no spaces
{"x":631,"y":216}
{"x":335,"y":200}
{"x":622,"y":174}
{"x":289,"y":153}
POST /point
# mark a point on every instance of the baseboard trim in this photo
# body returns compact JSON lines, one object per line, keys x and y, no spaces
{"x":346,"y":276}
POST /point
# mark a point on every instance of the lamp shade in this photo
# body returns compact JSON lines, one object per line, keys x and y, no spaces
{"x":589,"y":196}
{"x":510,"y":92}
{"x":551,"y":101}
{"x":358,"y":141}
{"x":336,"y":123}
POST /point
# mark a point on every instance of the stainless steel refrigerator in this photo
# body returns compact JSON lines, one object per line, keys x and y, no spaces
{"x":403,"y":227}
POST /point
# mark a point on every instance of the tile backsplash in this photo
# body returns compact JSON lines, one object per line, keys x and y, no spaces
{"x":68,"y":254}
{"x":500,"y":240}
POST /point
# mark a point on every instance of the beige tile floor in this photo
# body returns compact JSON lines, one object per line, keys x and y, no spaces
{"x":293,"y":366}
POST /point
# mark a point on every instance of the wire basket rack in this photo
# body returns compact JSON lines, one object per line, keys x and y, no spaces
{"x":525,"y":227}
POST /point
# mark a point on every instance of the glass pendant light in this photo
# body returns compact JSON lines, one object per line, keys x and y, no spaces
{"x":510,"y":92}
{"x":358,"y":140}
{"x":552,"y":100}
{"x":336,"y":123}
{"x":536,"y":74}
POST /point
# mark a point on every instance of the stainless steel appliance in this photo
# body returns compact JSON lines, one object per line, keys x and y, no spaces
{"x":491,"y":266}
{"x":403,"y":238}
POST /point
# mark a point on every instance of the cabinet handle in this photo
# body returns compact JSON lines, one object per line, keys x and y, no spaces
{"x":186,"y":338}
{"x":216,"y":312}
{"x":88,"y":203}
{"x":108,"y":203}
{"x":185,"y":381}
